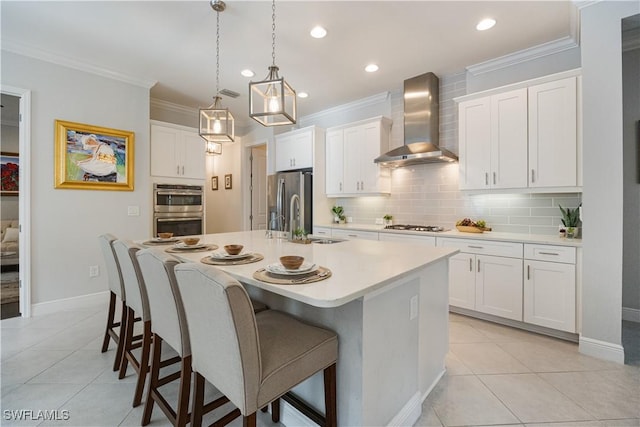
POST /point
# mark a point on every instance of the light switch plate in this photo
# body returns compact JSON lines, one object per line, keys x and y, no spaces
{"x":133,"y":210}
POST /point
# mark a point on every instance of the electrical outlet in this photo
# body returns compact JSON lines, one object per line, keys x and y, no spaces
{"x":133,"y":210}
{"x":414,"y":307}
{"x":94,"y":271}
{"x":379,"y":221}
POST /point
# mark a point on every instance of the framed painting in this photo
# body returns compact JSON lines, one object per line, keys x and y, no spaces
{"x":10,"y":166}
{"x":214,"y":183}
{"x":93,"y":158}
{"x":227,"y":182}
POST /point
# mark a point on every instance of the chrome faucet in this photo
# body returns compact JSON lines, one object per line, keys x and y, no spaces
{"x":294,"y":198}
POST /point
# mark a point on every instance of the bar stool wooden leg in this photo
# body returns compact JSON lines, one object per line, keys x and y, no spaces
{"x":144,"y":363}
{"x":198,"y":400}
{"x":275,"y":411}
{"x":127,"y":337}
{"x":120,"y":347}
{"x":249,"y":420}
{"x":110,"y":321}
{"x":331,"y":415}
{"x":153,"y":381}
{"x":182,"y":415}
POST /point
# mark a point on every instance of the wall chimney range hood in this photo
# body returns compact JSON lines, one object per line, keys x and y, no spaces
{"x":421,"y":126}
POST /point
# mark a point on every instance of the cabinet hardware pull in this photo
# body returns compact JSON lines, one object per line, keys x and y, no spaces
{"x":340,"y":186}
{"x":475,"y":247}
{"x":470,"y":264}
{"x":528,"y":272}
{"x":177,"y":169}
{"x":486,"y":178}
{"x":361,"y":185}
{"x":478,"y":266}
{"x":182,"y":170}
{"x":494,"y":178}
{"x":549,"y":253}
{"x":352,"y":235}
{"x":533,"y":175}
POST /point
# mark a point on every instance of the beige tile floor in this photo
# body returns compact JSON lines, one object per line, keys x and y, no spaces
{"x":495,"y":376}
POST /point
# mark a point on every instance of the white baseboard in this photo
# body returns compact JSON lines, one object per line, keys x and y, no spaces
{"x":291,"y":417}
{"x":433,"y":385}
{"x":73,"y":303}
{"x":410,"y":413}
{"x":602,"y":350}
{"x":631,"y":314}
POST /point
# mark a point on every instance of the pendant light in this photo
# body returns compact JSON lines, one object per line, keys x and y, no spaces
{"x":272,"y":102}
{"x":216,"y":122}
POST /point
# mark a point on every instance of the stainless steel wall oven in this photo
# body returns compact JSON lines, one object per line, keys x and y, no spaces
{"x":178,"y":209}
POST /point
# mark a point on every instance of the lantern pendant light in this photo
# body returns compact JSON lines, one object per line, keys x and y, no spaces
{"x":216,"y":122}
{"x":272,"y":102}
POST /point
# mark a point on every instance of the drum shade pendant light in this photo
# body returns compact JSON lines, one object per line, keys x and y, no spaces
{"x":216,"y":122}
{"x":272,"y":102}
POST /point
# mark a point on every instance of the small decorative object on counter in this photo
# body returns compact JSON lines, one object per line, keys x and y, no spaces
{"x":468,"y":226}
{"x":300,"y":236}
{"x":570,"y":227}
{"x":338,"y":214}
{"x":388,"y":219}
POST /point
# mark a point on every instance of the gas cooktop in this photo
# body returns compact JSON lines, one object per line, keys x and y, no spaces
{"x":414,"y":227}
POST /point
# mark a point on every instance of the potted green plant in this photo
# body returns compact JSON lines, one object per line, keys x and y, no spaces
{"x":338,"y":214}
{"x":570,"y":221}
{"x":388,"y":219}
{"x":300,"y":234}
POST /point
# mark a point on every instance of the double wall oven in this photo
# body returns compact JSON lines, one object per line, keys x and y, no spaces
{"x":178,"y":209}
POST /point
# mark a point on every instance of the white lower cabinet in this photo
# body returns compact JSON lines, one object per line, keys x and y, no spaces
{"x":395,"y":237}
{"x":486,"y":276}
{"x":322,"y":231}
{"x":550,"y":287}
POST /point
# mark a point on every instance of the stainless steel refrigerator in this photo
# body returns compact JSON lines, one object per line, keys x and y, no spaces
{"x":286,"y":190}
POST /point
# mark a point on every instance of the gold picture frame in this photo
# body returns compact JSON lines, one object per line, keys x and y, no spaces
{"x":93,"y":158}
{"x":227,"y":182}
{"x":214,"y":183}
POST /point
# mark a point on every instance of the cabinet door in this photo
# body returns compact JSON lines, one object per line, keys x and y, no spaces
{"x":462,"y":281}
{"x":369,"y":150}
{"x":550,"y":295}
{"x":193,"y":156}
{"x":422,"y":240}
{"x":284,"y":148}
{"x":164,"y":143}
{"x":499,"y":286}
{"x":509,"y":140}
{"x":552,"y":134}
{"x":352,"y":158}
{"x":334,"y":162}
{"x":354,"y":234}
{"x":302,"y":150}
{"x":474,"y":136}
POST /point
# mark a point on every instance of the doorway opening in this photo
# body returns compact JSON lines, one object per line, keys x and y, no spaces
{"x":258,"y":188}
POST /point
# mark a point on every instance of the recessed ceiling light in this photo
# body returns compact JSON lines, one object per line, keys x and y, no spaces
{"x":371,"y":68}
{"x":247,"y":73}
{"x":485,"y":24}
{"x":303,"y":95}
{"x":318,"y":32}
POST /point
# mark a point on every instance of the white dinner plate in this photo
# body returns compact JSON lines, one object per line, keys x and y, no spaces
{"x":224,"y":255}
{"x":184,"y":246}
{"x":277,"y":268}
{"x":161,"y":240}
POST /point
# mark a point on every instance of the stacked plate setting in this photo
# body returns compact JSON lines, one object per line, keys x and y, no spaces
{"x":223,"y":256}
{"x":305,"y":268}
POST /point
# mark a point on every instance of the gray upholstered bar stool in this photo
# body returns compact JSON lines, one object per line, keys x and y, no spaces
{"x":169,"y":324}
{"x":137,"y":303}
{"x":253,"y":359}
{"x":116,"y":291}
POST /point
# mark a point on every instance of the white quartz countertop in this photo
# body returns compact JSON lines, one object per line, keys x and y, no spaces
{"x":487,"y":235}
{"x":358,"y":267}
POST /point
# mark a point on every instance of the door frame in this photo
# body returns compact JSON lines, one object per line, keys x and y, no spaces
{"x":24,"y":199}
{"x":246,"y":178}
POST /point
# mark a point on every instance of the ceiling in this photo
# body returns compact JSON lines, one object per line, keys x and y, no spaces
{"x":172,"y":43}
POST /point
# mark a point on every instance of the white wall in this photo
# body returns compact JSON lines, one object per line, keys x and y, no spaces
{"x":631,"y":177}
{"x":66,"y":223}
{"x":224,"y":207}
{"x":603,"y":177}
{"x":9,"y":204}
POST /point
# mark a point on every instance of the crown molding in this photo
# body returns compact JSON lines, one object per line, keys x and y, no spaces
{"x":524,"y":55}
{"x":360,"y":103}
{"x":43,"y":55}
{"x":170,"y":106}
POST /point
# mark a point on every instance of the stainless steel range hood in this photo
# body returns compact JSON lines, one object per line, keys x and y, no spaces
{"x":421,"y":126}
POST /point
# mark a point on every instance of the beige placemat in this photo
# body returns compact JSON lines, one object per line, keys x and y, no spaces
{"x":186,"y":251}
{"x":160,"y":243}
{"x":248,"y":260}
{"x":321,"y":273}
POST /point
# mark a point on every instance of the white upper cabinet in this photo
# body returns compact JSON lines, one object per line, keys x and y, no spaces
{"x":521,"y":136}
{"x":552,"y":134}
{"x":176,"y":152}
{"x":294,"y":150}
{"x":350,"y":151}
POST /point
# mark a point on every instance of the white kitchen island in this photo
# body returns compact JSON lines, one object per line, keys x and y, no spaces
{"x":388,"y":303}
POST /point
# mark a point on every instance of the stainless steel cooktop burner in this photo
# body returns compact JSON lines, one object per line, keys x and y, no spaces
{"x":408,"y":227}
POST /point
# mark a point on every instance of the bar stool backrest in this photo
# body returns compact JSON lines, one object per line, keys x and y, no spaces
{"x":114,"y":276}
{"x":222,"y":330}
{"x":167,"y":312}
{"x":133,"y":283}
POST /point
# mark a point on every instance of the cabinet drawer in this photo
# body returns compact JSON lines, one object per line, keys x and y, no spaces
{"x":484,"y":247}
{"x":355,"y":234}
{"x":395,"y":237}
{"x":564,"y":254}
{"x":322,"y":231}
